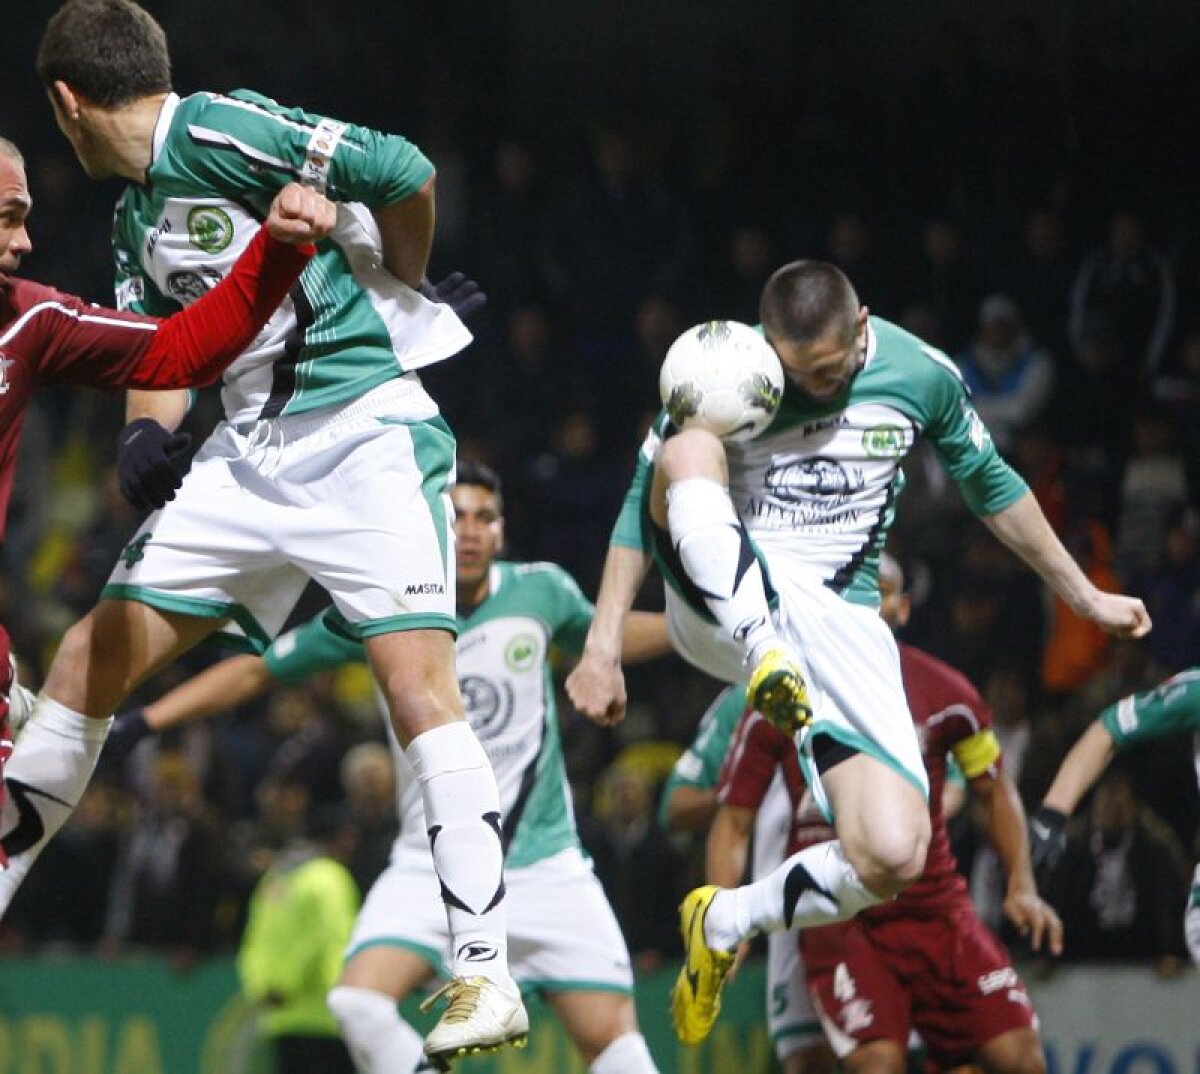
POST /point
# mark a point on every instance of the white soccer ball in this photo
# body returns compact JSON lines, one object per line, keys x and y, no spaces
{"x":722,"y":376}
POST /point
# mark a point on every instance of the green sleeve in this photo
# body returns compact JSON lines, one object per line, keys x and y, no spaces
{"x":1171,"y":708}
{"x":135,"y":291}
{"x":700,"y":764}
{"x":632,"y":529}
{"x":965,"y":447}
{"x":245,"y":144}
{"x":320,"y":644}
{"x":572,"y":611}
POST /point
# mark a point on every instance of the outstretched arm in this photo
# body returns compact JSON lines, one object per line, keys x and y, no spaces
{"x":1033,"y":917}
{"x":1080,"y":769}
{"x":597,"y":685}
{"x":1024,"y":529}
{"x":223,"y":686}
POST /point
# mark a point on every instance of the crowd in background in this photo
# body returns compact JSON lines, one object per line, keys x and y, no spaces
{"x":1021,"y":217}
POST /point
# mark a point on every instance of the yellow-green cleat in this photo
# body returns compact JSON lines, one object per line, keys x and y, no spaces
{"x":777,"y":689}
{"x":696,"y":997}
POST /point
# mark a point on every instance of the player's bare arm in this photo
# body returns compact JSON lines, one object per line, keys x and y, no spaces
{"x":406,"y":228}
{"x":645,"y":637}
{"x":726,"y":852}
{"x":1032,"y":916}
{"x":690,"y":809}
{"x":1024,"y":529}
{"x":597,"y":685}
{"x":1082,"y":766}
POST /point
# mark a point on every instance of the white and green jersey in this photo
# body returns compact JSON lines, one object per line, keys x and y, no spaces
{"x":502,"y":658}
{"x":1171,"y":708}
{"x":349,"y":325}
{"x":817,"y":490}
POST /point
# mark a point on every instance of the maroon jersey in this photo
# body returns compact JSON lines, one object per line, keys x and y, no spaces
{"x":950,"y":716}
{"x":47,"y":337}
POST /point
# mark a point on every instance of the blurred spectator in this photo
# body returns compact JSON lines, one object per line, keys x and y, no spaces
{"x":369,"y":785}
{"x":1010,"y":375}
{"x":612,"y":238}
{"x":508,"y":227}
{"x":164,"y":892}
{"x":1133,"y":284}
{"x":301,"y":917}
{"x":852,"y":246}
{"x":1153,"y":488}
{"x":1038,"y":276}
{"x":1171,"y":592}
{"x":637,"y":864}
{"x":1178,"y":389}
{"x":947,"y":280}
{"x":1122,"y":884}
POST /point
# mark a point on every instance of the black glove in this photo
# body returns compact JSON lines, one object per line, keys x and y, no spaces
{"x":151,"y":462}
{"x":128,"y":729}
{"x":1047,"y":838}
{"x":460,"y":294}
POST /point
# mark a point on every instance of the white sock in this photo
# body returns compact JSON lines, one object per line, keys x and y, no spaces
{"x":380,"y":1041}
{"x":50,"y":766}
{"x":815,"y":886}
{"x":715,"y":551}
{"x":462,"y":815}
{"x":627,"y":1054}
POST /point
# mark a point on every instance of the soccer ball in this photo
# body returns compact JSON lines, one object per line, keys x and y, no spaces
{"x":722,"y":376}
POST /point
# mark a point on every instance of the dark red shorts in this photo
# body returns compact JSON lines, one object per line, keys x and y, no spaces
{"x":946,"y":977}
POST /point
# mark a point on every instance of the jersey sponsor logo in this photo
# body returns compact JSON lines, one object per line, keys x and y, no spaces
{"x":315,"y":170}
{"x":521,"y":654}
{"x":799,"y":478}
{"x":135,"y":550}
{"x":209,"y":228}
{"x":189,"y":287}
{"x":998,"y":980}
{"x":130,"y":291}
{"x":5,"y":363}
{"x":423,"y":588}
{"x":489,"y":705}
{"x":884,"y":442}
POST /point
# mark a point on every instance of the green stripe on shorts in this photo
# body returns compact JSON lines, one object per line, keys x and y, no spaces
{"x":197,"y":607}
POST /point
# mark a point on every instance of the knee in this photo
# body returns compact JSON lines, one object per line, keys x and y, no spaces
{"x":693,"y":453}
{"x":892,"y":856}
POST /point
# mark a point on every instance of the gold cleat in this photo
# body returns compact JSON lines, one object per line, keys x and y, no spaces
{"x":696,"y":997}
{"x":777,"y":689}
{"x":480,"y":1017}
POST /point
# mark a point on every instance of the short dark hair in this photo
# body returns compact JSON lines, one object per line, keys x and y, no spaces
{"x":110,"y":51}
{"x":805,"y":300}
{"x":471,"y":472}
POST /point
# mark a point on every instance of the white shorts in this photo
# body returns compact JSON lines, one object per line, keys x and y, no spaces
{"x":791,"y":1018}
{"x":355,"y":498}
{"x":562,"y":934}
{"x":850,"y":661}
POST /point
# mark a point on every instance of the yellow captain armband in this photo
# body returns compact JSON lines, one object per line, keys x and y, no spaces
{"x":975,"y":755}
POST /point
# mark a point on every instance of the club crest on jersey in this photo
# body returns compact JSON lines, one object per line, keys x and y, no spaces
{"x":521,"y":653}
{"x":209,"y":228}
{"x":4,"y":381}
{"x":884,"y":442}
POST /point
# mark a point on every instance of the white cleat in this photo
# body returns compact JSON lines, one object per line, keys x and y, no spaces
{"x":481,"y":1017}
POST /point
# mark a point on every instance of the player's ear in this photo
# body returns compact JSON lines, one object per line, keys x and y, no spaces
{"x":63,"y":99}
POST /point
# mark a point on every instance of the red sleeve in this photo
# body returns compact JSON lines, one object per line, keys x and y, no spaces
{"x":193,"y":347}
{"x":76,"y":343}
{"x":756,"y":751}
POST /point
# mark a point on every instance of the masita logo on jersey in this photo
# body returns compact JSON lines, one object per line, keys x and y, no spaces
{"x":209,"y":228}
